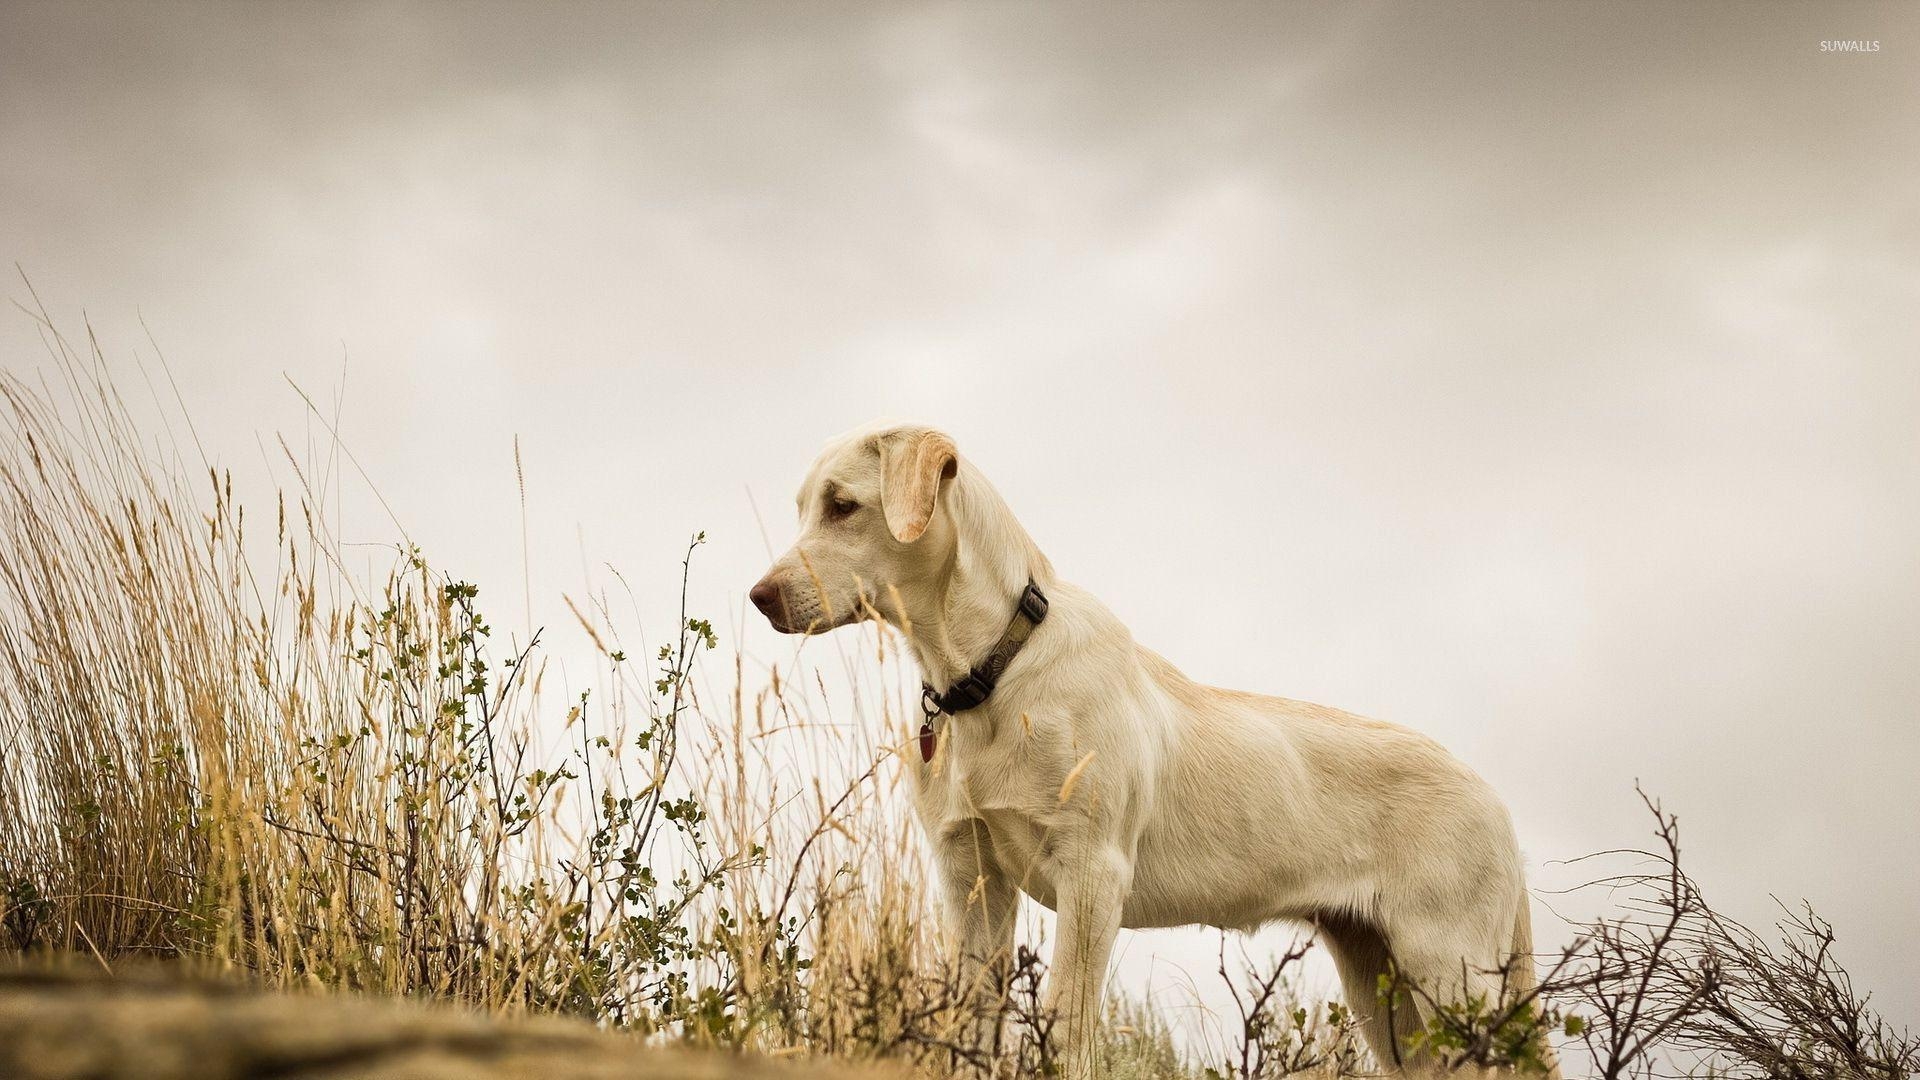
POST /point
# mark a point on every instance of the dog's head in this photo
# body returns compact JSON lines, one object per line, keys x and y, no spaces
{"x":873,"y":527}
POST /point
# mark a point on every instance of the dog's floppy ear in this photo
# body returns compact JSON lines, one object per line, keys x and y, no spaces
{"x":911,"y":468}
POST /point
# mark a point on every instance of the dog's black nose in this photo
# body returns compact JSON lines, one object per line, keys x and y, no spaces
{"x":766,"y":596}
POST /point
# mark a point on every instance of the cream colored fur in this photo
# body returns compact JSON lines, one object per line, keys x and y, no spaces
{"x":1187,"y":804}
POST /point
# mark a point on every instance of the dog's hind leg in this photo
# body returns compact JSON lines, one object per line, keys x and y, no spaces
{"x":1360,"y":954}
{"x":1459,"y":968}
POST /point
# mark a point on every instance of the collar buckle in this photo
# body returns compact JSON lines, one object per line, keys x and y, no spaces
{"x":1033,"y":603}
{"x":969,"y":692}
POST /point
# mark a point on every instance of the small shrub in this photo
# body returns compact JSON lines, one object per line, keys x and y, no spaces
{"x":1673,"y":984}
{"x":1279,"y":1033}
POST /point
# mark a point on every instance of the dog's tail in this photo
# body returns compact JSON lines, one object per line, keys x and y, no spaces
{"x":1521,"y":980}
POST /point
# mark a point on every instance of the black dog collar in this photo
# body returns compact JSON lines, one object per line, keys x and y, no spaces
{"x":972,"y":690}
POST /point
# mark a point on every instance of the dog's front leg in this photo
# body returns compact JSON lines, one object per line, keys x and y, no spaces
{"x":1091,"y":878}
{"x":980,"y":904}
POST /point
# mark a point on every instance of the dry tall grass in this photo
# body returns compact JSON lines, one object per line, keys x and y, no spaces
{"x":226,"y":746}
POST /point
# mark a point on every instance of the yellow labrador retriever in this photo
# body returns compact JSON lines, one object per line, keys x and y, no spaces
{"x":1062,"y":759}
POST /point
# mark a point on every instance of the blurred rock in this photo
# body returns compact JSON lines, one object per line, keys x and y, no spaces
{"x":158,"y":1023}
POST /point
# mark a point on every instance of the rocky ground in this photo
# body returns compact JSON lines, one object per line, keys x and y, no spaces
{"x":160,"y":1024}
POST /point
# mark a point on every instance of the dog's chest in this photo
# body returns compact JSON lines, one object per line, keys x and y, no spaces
{"x":973,"y":776}
{"x":962,"y":785}
{"x":1015,"y":830}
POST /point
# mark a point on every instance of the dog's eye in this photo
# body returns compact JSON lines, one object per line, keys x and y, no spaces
{"x":842,"y":507}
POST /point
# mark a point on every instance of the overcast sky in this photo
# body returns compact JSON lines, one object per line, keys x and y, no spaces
{"x":1542,"y":377}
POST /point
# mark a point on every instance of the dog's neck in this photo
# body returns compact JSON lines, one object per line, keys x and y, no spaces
{"x":956,"y":623}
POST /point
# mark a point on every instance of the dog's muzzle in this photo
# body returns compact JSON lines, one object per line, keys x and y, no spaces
{"x":771,"y":599}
